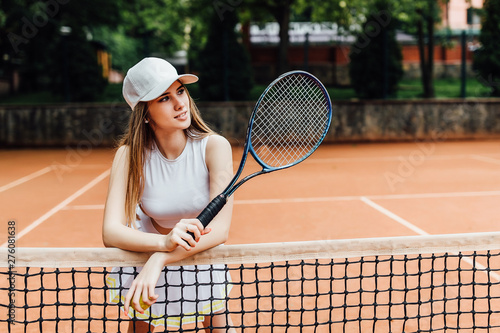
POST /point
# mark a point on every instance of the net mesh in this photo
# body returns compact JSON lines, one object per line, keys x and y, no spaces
{"x":410,"y":284}
{"x":290,"y":120}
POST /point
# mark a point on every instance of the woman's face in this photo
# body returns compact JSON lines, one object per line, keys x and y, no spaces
{"x":170,"y":111}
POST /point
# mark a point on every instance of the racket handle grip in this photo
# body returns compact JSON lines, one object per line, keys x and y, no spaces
{"x":212,"y":209}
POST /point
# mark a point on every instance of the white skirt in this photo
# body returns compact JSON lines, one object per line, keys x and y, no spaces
{"x":186,"y":293}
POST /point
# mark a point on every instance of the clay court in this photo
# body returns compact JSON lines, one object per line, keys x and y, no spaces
{"x":56,"y":196}
{"x":343,"y":191}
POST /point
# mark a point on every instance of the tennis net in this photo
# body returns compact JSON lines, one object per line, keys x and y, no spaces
{"x":404,"y":284}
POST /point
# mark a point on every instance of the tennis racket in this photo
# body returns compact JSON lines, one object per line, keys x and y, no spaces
{"x":288,"y":123}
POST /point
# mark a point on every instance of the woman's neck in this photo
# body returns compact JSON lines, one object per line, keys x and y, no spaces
{"x":171,"y":145}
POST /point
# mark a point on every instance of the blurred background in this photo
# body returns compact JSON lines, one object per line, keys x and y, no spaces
{"x":388,"y":64}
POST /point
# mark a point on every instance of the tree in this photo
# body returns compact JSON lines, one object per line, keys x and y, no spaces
{"x":33,"y":36}
{"x":159,"y":25}
{"x":348,"y":15}
{"x":376,"y":68}
{"x":75,"y":72}
{"x":125,"y":49}
{"x":223,"y":62}
{"x":146,"y":28}
{"x":31,"y":39}
{"x":280,"y":11}
{"x":417,"y":17}
{"x":420,"y":17}
{"x":487,"y":58}
{"x":425,"y":30}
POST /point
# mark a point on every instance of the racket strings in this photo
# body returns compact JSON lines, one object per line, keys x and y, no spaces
{"x":290,"y":121}
{"x":296,"y":143}
{"x":291,"y":151}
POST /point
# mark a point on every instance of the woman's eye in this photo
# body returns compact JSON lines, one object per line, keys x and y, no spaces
{"x":180,"y":92}
{"x":164,"y":99}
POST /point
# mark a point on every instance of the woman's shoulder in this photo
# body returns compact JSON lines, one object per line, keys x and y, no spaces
{"x":215,"y":142}
{"x":120,"y":160}
{"x":123,"y":149}
{"x":218,"y":154}
{"x":122,"y":152}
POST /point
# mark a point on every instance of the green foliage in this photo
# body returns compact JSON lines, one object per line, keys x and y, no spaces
{"x":487,"y":58}
{"x":347,"y":14}
{"x":376,"y":60}
{"x":32,"y":44}
{"x":76,"y":74}
{"x":224,"y":64}
{"x":124,"y":49}
{"x":158,"y":25}
{"x":408,"y":89}
{"x":31,"y":40}
{"x":202,"y":13}
{"x":409,"y":12}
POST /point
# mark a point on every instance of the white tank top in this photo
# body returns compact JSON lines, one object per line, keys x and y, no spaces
{"x":176,"y":189}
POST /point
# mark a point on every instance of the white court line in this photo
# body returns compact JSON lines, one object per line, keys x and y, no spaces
{"x":46,"y":170}
{"x":330,"y":199}
{"x":25,"y":179}
{"x":364,"y":199}
{"x":389,"y":158}
{"x":393,"y":216}
{"x":382,"y":196}
{"x":293,"y":200}
{"x":419,"y":231}
{"x":83,"y":207}
{"x":61,"y":205}
{"x":436,"y":195}
{"x":485,"y":159}
{"x":80,"y":165}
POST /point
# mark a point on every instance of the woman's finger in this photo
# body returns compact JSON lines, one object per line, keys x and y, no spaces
{"x":194,"y":229}
{"x":183,"y":241}
{"x":128,"y":297}
{"x":136,"y":301}
{"x":152,"y":296}
{"x":199,"y":225}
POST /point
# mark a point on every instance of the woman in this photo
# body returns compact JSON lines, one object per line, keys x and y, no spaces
{"x":168,"y":167}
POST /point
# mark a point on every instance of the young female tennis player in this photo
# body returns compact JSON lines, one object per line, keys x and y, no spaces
{"x":167,"y":169}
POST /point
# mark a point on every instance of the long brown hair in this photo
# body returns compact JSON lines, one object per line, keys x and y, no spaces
{"x":139,"y":137}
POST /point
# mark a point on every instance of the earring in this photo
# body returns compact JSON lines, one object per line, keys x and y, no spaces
{"x":146,"y":121}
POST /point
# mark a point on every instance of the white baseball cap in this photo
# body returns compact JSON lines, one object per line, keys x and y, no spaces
{"x":149,"y":78}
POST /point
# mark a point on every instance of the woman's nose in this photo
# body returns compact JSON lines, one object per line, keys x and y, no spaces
{"x":178,"y":103}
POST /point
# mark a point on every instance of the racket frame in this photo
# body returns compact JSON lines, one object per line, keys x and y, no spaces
{"x":213,"y":208}
{"x":229,"y":190}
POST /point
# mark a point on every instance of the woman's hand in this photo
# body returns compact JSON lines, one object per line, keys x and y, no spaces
{"x":143,"y":287}
{"x":179,"y":235}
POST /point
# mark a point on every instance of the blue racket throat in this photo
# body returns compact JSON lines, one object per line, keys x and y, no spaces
{"x":288,"y":123}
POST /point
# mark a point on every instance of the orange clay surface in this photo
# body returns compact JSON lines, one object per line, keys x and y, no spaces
{"x":56,"y":196}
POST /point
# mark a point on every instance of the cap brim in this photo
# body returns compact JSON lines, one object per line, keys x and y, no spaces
{"x":160,"y":88}
{"x":188,"y":78}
